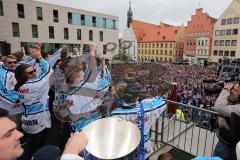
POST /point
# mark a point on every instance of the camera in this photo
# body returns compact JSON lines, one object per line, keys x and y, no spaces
{"x":219,"y":84}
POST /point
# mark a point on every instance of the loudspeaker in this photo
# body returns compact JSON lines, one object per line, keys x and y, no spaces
{"x":5,"y":48}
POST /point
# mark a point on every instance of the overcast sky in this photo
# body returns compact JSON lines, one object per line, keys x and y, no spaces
{"x":175,"y":12}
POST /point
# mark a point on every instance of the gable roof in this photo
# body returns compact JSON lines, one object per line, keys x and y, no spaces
{"x":146,"y":32}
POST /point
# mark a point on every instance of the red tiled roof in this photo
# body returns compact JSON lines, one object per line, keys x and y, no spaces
{"x":146,"y":32}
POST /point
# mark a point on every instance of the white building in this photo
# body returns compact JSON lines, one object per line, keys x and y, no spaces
{"x":130,"y":40}
{"x":23,"y":22}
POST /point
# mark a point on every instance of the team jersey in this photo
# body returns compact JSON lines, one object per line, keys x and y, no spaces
{"x":34,"y":98}
{"x":85,"y":102}
{"x":8,"y":97}
{"x":153,"y":107}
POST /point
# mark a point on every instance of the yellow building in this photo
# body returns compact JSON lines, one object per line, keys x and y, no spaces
{"x":158,"y":42}
{"x":226,"y":40}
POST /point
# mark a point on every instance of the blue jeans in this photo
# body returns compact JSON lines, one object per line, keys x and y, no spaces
{"x":224,"y":151}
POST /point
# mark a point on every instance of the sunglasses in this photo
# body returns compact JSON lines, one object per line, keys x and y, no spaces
{"x":31,"y":72}
{"x":12,"y":62}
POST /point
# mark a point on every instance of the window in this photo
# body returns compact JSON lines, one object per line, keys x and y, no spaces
{"x":236,"y":20}
{"x":55,"y":15}
{"x":20,"y":9}
{"x":104,"y":23}
{"x":34,"y":31}
{"x":226,"y":53}
{"x":220,"y":53}
{"x":69,"y":18}
{"x":51,"y":32}
{"x":170,"y":53}
{"x":222,"y":32}
{"x":76,"y":19}
{"x":224,"y":21}
{"x":109,"y":24}
{"x":229,"y":21}
{"x":82,"y":20}
{"x":88,"y":21}
{"x":94,"y":21}
{"x":1,"y":8}
{"x":221,"y":42}
{"x":206,"y":42}
{"x":99,"y":22}
{"x":227,"y":43}
{"x":15,"y":29}
{"x":234,"y":31}
{"x":115,"y":24}
{"x":100,"y":35}
{"x":216,"y":43}
{"x":66,"y":36}
{"x":166,"y":45}
{"x":79,"y":34}
{"x":165,"y":52}
{"x":234,"y":43}
{"x":39,"y":14}
{"x":90,"y":35}
{"x":215,"y":52}
{"x":228,"y":32}
{"x":104,"y":49}
{"x":232,"y":53}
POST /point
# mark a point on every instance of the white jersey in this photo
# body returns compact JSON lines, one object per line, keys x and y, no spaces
{"x":153,"y":108}
{"x":34,"y":97}
{"x":8,"y":97}
{"x":87,"y":99}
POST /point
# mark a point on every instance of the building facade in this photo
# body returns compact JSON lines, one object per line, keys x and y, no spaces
{"x":158,"y":42}
{"x":198,"y":37}
{"x":227,"y":34}
{"x":23,"y":22}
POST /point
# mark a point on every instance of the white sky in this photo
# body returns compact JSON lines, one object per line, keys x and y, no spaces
{"x":175,"y":12}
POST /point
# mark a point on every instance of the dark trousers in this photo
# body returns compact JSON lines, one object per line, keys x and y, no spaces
{"x":224,"y":151}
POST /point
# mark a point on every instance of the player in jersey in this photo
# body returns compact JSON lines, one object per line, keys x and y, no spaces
{"x":88,"y":84}
{"x":146,"y":110}
{"x":9,"y":99}
{"x":33,"y":91}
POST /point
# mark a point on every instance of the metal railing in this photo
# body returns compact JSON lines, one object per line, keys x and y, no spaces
{"x":188,"y":130}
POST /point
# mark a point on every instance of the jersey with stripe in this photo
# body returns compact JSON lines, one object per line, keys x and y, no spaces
{"x":8,"y":97}
{"x":88,"y":98}
{"x":153,"y":108}
{"x":34,"y":97}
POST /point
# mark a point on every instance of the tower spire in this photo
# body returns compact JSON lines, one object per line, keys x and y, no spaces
{"x":129,"y":15}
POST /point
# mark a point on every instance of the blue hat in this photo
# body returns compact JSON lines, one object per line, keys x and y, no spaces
{"x":48,"y":152}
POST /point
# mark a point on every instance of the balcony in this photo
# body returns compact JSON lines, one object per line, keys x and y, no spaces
{"x":186,"y":135}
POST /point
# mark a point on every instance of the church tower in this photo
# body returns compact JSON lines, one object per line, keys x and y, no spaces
{"x":129,"y":15}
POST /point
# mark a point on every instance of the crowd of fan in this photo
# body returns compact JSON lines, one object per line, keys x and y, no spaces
{"x":157,"y":79}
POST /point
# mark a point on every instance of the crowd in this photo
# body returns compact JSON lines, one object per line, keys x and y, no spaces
{"x":157,"y":80}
